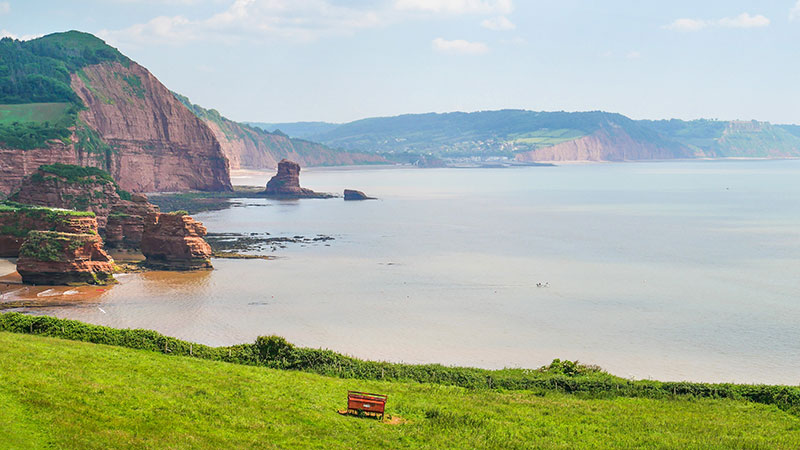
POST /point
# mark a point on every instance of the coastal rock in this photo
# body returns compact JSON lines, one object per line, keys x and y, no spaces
{"x":53,"y":258}
{"x":286,"y":183}
{"x":70,"y":187}
{"x":17,"y":222}
{"x":351,"y":194}
{"x":174,"y":241}
{"x":127,"y":220}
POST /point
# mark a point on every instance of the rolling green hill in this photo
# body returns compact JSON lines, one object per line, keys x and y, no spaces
{"x":250,"y":147}
{"x":67,"y":394}
{"x":531,"y":135}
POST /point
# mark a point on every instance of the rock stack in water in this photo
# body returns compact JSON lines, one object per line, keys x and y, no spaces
{"x":286,"y":183}
{"x":52,"y":257}
{"x":352,"y":194}
{"x":16,"y":221}
{"x":127,"y":220}
{"x":174,"y":241}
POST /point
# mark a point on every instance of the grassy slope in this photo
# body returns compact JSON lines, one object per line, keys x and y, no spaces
{"x":79,"y":395}
{"x":33,"y":112}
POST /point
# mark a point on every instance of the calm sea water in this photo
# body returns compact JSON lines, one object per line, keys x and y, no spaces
{"x":668,"y":270}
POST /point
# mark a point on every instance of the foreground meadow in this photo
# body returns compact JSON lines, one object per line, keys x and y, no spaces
{"x":66,"y":394}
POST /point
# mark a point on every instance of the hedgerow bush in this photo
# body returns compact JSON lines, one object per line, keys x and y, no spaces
{"x":275,"y":352}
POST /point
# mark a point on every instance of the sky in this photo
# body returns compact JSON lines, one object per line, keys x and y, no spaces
{"x":342,"y":60}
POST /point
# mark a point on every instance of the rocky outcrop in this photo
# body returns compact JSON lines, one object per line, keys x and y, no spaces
{"x":60,"y":186}
{"x":286,"y":183}
{"x":607,"y":144}
{"x":127,"y":220}
{"x":175,"y":241}
{"x":53,"y":258}
{"x":17,"y":222}
{"x":351,"y":194}
{"x":120,"y":221}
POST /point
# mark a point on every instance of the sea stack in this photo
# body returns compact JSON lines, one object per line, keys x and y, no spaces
{"x":286,"y":183}
{"x":352,"y":194}
{"x":16,"y":221}
{"x":53,"y":258}
{"x":174,"y":241}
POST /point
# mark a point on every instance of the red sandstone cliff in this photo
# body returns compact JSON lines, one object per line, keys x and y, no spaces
{"x":153,"y":142}
{"x":607,"y":144}
{"x":49,"y":257}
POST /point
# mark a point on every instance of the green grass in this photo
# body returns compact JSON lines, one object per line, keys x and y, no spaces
{"x":546,"y":137}
{"x":34,"y":112}
{"x":66,"y":394}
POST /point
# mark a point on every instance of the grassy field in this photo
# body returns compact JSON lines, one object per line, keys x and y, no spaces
{"x":546,"y":138}
{"x":67,"y":394}
{"x":33,"y":112}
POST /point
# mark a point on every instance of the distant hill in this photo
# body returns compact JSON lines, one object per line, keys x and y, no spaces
{"x":553,"y":136}
{"x":302,"y":130}
{"x":713,"y":138}
{"x":249,"y":147}
{"x":520,"y":134}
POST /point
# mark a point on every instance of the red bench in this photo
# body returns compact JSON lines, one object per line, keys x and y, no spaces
{"x":366,"y":403}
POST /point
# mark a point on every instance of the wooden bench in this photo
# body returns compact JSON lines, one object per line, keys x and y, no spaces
{"x":366,"y":403}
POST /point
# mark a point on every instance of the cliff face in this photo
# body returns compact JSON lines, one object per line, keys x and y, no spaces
{"x":607,"y":144}
{"x":156,"y":144}
{"x":248,"y":147}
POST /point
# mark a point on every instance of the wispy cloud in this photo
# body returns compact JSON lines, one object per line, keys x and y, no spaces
{"x":456,"y":6}
{"x":459,"y":46}
{"x":499,"y":23}
{"x":794,"y":14}
{"x":297,"y":20}
{"x":5,"y":7}
{"x":743,"y":20}
{"x":633,"y":54}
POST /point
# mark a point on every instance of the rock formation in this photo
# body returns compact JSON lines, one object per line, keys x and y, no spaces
{"x":17,"y":221}
{"x":52,"y":258}
{"x":351,"y":194}
{"x":286,"y":183}
{"x":70,"y":187}
{"x":126,"y":222}
{"x":120,"y":221}
{"x":174,"y":241}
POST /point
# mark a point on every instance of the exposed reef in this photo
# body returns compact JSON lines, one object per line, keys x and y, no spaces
{"x":351,"y":194}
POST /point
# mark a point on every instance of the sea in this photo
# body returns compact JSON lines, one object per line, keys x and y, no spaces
{"x":681,"y":270}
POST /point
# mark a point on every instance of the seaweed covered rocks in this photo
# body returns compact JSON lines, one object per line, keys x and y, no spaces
{"x":52,"y":258}
{"x":174,"y":241}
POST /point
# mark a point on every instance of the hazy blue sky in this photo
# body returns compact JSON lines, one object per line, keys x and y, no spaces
{"x":338,"y":60}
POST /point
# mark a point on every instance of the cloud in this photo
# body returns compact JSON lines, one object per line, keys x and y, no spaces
{"x":633,"y":54}
{"x":499,"y":23}
{"x":456,"y":6}
{"x":5,"y":7}
{"x":743,"y":20}
{"x":297,"y":20}
{"x":459,"y":46}
{"x":794,"y":14}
